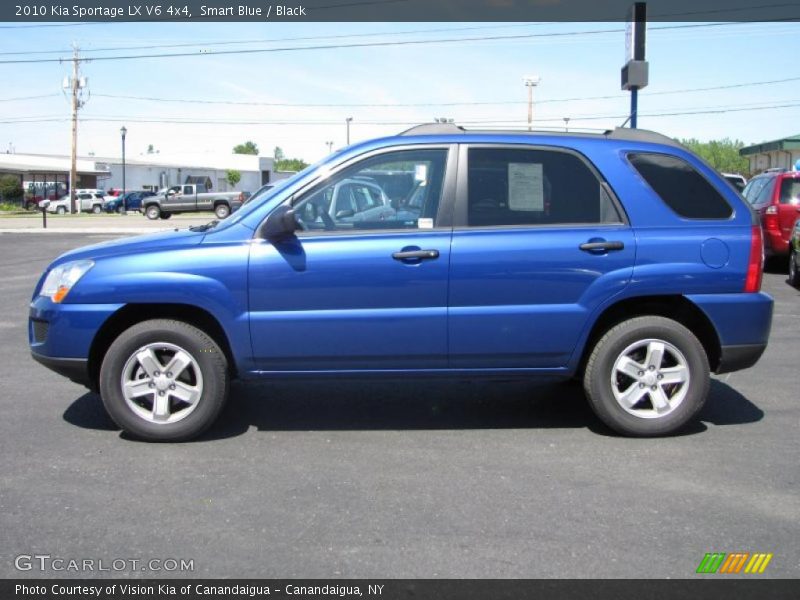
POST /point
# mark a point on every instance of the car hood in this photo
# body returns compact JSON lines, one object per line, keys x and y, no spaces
{"x":133,"y":245}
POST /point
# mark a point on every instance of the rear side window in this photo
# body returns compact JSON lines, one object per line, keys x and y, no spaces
{"x":509,"y":186}
{"x":680,"y":186}
{"x":790,"y":191}
{"x":752,"y":189}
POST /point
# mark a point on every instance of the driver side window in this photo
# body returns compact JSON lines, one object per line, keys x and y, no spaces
{"x":396,"y":190}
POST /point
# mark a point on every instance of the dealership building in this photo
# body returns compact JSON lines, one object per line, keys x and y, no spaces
{"x":777,"y":154}
{"x":47,"y":176}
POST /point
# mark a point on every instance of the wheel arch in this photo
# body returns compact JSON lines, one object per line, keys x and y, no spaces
{"x":675,"y":307}
{"x":131,"y":314}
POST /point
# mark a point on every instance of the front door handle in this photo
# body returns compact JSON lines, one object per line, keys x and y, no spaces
{"x":415,"y":254}
{"x":601,"y":246}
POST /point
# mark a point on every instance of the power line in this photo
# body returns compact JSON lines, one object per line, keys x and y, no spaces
{"x":370,"y":44}
{"x":189,"y":121}
{"x":427,"y":104}
{"x":271,"y":40}
{"x":28,"y":97}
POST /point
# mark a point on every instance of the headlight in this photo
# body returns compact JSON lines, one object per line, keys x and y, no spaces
{"x":60,"y":280}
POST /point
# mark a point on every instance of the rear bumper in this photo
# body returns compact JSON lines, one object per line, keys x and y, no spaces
{"x":736,"y":358}
{"x":742,"y":322}
{"x":775,"y":244}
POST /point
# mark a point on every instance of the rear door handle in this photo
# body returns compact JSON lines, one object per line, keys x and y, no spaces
{"x":415,"y":254}
{"x":601,"y":246}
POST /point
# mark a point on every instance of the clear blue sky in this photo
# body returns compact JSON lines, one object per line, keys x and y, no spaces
{"x":574,"y":66}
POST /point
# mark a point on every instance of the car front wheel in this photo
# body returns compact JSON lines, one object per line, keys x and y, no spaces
{"x":152,"y":212}
{"x":164,"y":381}
{"x":647,"y":376}
{"x":61,"y":210}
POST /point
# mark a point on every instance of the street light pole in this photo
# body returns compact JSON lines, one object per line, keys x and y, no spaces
{"x":566,"y":124}
{"x":348,"y":120}
{"x":531,"y":81}
{"x":330,"y":146}
{"x":124,"y":132}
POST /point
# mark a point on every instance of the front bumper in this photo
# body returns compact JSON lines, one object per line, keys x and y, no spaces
{"x":61,"y":335}
{"x":74,"y":369}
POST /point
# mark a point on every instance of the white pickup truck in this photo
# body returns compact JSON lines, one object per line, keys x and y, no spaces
{"x":190,"y":197}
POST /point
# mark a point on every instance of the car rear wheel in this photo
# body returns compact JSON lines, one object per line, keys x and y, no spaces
{"x":794,"y":275}
{"x":152,"y":212}
{"x":121,"y":209}
{"x":97,"y":209}
{"x":164,"y":381}
{"x":647,"y":376}
{"x":61,"y":210}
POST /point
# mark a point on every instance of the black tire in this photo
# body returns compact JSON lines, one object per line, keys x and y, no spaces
{"x":152,"y":212}
{"x":166,"y":216}
{"x":794,"y":269}
{"x":97,"y":209}
{"x":222,"y":211}
{"x":200,"y":346}
{"x":61,"y":210}
{"x":597,"y":380}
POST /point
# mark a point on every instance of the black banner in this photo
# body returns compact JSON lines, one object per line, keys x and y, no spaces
{"x":400,"y":589}
{"x":56,"y":11}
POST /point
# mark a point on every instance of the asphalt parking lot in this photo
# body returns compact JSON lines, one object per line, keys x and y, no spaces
{"x":396,"y":479}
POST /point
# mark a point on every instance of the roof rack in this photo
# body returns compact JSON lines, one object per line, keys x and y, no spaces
{"x":618,"y":133}
{"x":434,"y":129}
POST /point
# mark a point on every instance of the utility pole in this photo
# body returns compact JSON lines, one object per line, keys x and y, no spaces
{"x":330,"y":146}
{"x":76,"y":84}
{"x":531,"y":81}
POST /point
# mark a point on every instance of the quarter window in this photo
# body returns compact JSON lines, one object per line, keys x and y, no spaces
{"x":680,"y":186}
{"x":790,"y":190}
{"x":509,"y":186}
{"x":396,"y":190}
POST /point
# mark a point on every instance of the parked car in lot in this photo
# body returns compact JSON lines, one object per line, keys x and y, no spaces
{"x":191,"y":198}
{"x":775,"y":196}
{"x":89,"y":202}
{"x":621,"y":259}
{"x":794,"y":256}
{"x":738,"y":180}
{"x":128,"y":201}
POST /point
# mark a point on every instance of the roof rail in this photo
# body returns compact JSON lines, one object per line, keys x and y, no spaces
{"x":618,"y":133}
{"x":640,"y":135}
{"x":434,"y":129}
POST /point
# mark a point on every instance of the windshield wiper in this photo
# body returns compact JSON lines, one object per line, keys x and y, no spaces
{"x":205,"y":227}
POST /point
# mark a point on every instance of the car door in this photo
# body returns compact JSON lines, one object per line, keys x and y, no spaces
{"x":365,"y":295}
{"x":539,"y":242}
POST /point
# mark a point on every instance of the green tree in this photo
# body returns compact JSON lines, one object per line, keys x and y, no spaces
{"x":150,"y":149}
{"x":290,"y":164}
{"x":10,"y":188}
{"x":722,"y":154}
{"x":278,"y":153}
{"x":233,"y":176}
{"x":247,"y":148}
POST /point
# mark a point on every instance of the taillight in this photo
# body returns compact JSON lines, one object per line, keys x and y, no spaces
{"x":755,"y":265}
{"x":771,"y":217}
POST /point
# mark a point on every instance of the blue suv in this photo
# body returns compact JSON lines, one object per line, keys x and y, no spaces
{"x":621,"y":259}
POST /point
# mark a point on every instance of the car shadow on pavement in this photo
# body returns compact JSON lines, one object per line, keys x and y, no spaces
{"x":415,"y":405}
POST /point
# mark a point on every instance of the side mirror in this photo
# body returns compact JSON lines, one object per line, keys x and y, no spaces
{"x":282,"y":222}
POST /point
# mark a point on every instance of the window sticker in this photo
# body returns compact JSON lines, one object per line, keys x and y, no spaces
{"x":525,"y":187}
{"x":420,"y":172}
{"x":425,"y":223}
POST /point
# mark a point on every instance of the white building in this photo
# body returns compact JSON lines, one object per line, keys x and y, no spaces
{"x":47,"y":175}
{"x":783,"y":153}
{"x":156,"y":171}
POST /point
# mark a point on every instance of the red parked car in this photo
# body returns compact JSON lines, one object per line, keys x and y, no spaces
{"x":775,"y":196}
